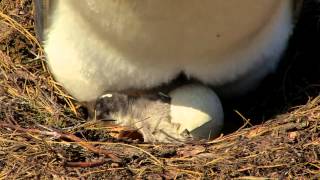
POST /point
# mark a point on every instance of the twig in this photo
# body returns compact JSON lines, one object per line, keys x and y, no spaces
{"x":70,"y":137}
{"x":17,"y":26}
{"x":85,"y":164}
{"x":100,"y":171}
{"x":254,"y":178}
{"x":247,"y":121}
{"x":155,"y":160}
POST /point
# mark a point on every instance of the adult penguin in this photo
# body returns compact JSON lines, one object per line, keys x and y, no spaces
{"x":97,"y":46}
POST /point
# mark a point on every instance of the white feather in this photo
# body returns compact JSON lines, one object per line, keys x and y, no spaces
{"x":97,"y":45}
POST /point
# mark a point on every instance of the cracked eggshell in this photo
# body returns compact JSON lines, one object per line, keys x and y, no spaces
{"x":197,"y":109}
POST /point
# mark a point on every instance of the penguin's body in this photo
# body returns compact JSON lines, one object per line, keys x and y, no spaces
{"x":95,"y":46}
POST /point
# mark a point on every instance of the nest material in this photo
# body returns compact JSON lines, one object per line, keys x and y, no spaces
{"x":43,"y":134}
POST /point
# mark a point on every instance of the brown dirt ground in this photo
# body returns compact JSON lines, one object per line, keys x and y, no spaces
{"x":43,"y":134}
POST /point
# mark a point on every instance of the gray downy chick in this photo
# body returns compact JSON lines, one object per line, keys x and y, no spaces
{"x":189,"y":112}
{"x":150,"y":115}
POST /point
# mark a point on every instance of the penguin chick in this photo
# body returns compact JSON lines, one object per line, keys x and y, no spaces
{"x":192,"y":112}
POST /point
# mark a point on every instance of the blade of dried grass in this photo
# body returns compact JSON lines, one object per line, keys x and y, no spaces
{"x":64,"y":136}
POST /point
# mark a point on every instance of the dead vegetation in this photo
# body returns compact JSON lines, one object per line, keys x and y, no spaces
{"x":43,"y":133}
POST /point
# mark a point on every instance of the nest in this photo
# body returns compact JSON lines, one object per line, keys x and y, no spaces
{"x":43,"y":132}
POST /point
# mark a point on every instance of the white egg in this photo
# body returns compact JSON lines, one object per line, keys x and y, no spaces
{"x":197,"y":109}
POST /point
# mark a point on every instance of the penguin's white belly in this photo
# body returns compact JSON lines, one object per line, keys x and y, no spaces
{"x":116,"y":45}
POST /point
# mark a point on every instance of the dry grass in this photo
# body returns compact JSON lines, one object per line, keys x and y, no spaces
{"x":43,"y":134}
